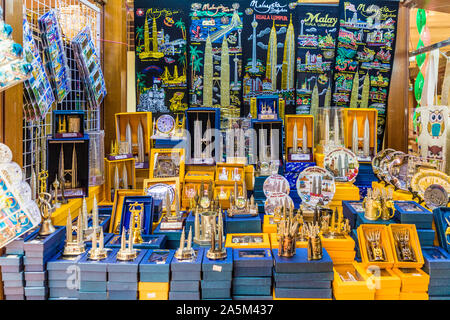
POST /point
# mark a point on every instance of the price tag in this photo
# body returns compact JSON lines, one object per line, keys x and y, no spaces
{"x":217,"y":268}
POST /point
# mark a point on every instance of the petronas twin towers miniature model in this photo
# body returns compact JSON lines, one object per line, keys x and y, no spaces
{"x":356,"y":138}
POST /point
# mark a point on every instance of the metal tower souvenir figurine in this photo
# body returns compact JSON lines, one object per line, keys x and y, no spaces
{"x":98,"y":250}
{"x":287,"y":232}
{"x":74,"y":247}
{"x":135,"y":225}
{"x":185,"y":253}
{"x":126,"y":252}
{"x":240,"y":205}
{"x":375,"y":250}
{"x":315,"y":250}
{"x":173,"y":219}
{"x":217,"y":252}
{"x":403,"y":248}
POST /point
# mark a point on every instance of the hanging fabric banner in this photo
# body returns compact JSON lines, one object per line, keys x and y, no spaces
{"x":364,"y":56}
{"x":315,"y":55}
{"x":269,"y":51}
{"x":215,"y":55}
{"x":161,"y":56}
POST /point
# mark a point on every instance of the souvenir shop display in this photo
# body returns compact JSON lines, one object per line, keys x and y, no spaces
{"x":167,"y":126}
{"x":315,"y":186}
{"x":299,"y":135}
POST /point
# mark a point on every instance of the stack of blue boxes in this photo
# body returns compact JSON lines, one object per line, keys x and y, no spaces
{"x":123,"y":276}
{"x":258,"y":193}
{"x":155,"y":268}
{"x":186,"y":276}
{"x":437,"y":265}
{"x":299,"y":278}
{"x":365,"y":178}
{"x":410,"y":212}
{"x":93,"y":277}
{"x":38,"y":250}
{"x":252,"y":274}
{"x":217,"y":277}
{"x":64,"y":277}
{"x":12,"y":276}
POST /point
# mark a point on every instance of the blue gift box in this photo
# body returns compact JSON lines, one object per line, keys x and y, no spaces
{"x":440,"y":217}
{"x":245,"y":224}
{"x":243,"y":290}
{"x":252,"y":272}
{"x":121,"y":286}
{"x":34,"y":267}
{"x":303,"y":293}
{"x":12,"y":268}
{"x":173,"y":236}
{"x":154,"y":277}
{"x":410,"y":212}
{"x":252,"y":281}
{"x":12,"y":283}
{"x":60,"y":262}
{"x":13,"y":291}
{"x":426,"y":237}
{"x":306,"y":284}
{"x":36,"y":283}
{"x":47,"y":244}
{"x":36,"y":297}
{"x":439,"y":297}
{"x":150,"y":241}
{"x":36,"y":276}
{"x":299,"y":262}
{"x":260,"y":258}
{"x":185,"y":285}
{"x":439,"y":291}
{"x":122,"y":295}
{"x":350,"y":210}
{"x":217,"y":276}
{"x":323,"y":276}
{"x":11,"y":260}
{"x":7,"y":276}
{"x":15,"y":297}
{"x":59,"y":275}
{"x":155,"y":266}
{"x":63,"y":292}
{"x":146,"y":215}
{"x":224,"y":265}
{"x":122,"y":267}
{"x":186,"y":275}
{"x":92,"y":286}
{"x":184,"y":295}
{"x":255,"y":297}
{"x":440,"y":282}
{"x":215,"y":284}
{"x":93,"y":295}
{"x":57,"y":283}
{"x":217,"y":293}
{"x":436,"y":259}
{"x":194,"y":265}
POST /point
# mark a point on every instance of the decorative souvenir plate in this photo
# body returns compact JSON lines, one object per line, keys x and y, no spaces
{"x":343,"y":164}
{"x":275,"y":200}
{"x":315,"y":186}
{"x":276,"y":183}
{"x":165,"y":123}
{"x":427,"y":177}
{"x":377,"y":160}
{"x":435,"y":196}
{"x":399,"y":171}
{"x":383,"y":172}
{"x":158,"y":191}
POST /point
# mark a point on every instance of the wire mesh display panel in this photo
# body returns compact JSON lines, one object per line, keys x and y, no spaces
{"x":73,"y":16}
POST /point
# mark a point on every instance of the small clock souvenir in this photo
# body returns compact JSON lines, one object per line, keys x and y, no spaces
{"x":435,"y":196}
{"x":276,"y":184}
{"x":275,"y":200}
{"x":343,"y":164}
{"x":165,"y":124}
{"x":315,"y":186}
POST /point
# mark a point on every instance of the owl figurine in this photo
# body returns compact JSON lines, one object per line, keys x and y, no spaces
{"x":436,"y":124}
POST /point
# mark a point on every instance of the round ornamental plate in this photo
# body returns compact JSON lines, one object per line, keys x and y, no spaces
{"x":343,"y":164}
{"x":427,"y":177}
{"x":165,"y":123}
{"x":276,"y":183}
{"x":399,"y":171}
{"x":158,"y":191}
{"x":315,"y":186}
{"x":276,"y":199}
{"x":435,"y":196}
{"x":383,"y":173}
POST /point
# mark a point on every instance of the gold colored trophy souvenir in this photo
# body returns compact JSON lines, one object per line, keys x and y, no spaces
{"x":126,"y":252}
{"x":375,"y":250}
{"x":403,"y":247}
{"x":98,"y":250}
{"x":372,"y":206}
{"x":62,"y":124}
{"x":287,"y":233}
{"x":387,"y":205}
{"x":43,"y":175}
{"x":219,"y":252}
{"x":74,"y":247}
{"x":136,"y":221}
{"x":46,"y":211}
{"x":315,"y":250}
